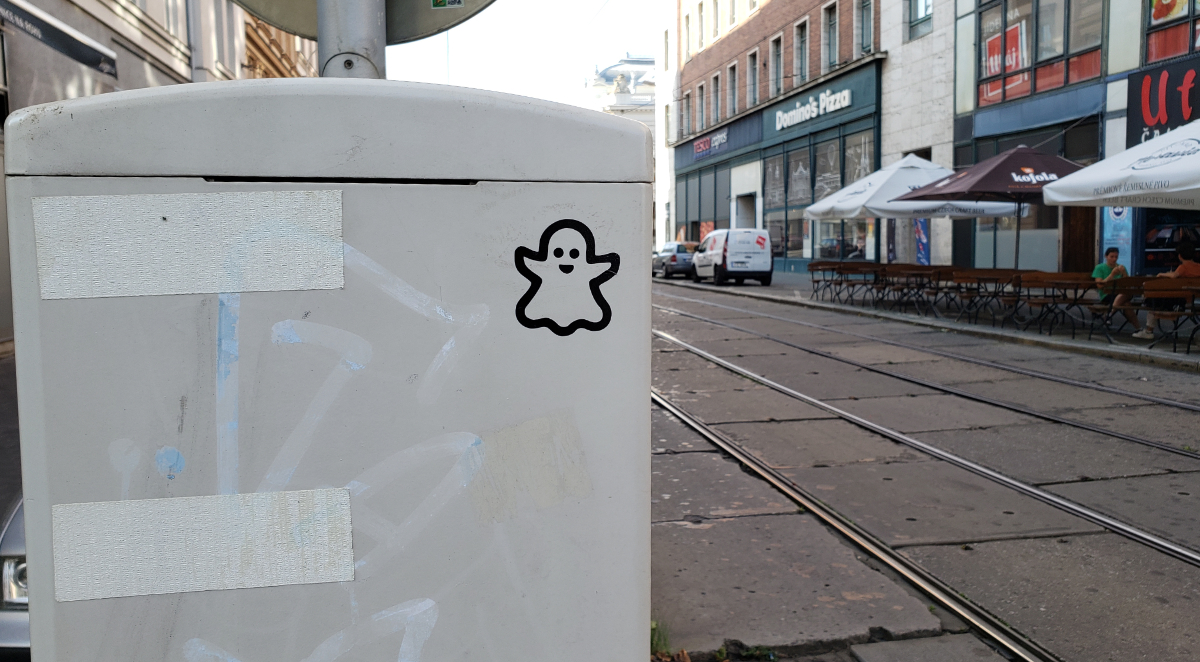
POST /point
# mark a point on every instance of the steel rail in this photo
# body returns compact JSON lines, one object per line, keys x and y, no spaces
{"x":953,"y":355}
{"x":944,"y":595}
{"x":1028,"y":411}
{"x":1146,"y":538}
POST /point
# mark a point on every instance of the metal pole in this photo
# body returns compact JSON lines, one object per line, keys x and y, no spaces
{"x":1017,"y":239}
{"x":351,"y":36}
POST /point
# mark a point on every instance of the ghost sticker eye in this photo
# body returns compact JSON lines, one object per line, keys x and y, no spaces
{"x":572,"y":300}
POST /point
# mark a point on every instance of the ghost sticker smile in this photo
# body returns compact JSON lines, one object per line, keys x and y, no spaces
{"x":565,"y":276}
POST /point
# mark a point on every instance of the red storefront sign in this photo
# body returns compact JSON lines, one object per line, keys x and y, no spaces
{"x":1161,"y":99}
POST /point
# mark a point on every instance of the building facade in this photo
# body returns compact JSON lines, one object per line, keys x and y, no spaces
{"x":776,"y":106}
{"x":759,"y":129}
{"x":63,"y":49}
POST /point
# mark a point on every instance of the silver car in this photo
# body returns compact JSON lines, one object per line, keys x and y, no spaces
{"x":674,"y":258}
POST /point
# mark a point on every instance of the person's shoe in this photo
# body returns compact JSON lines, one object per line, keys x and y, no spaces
{"x":1144,"y":334}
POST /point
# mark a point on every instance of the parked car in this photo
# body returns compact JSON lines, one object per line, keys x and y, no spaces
{"x":14,"y":587}
{"x":674,"y":258}
{"x":734,"y":255}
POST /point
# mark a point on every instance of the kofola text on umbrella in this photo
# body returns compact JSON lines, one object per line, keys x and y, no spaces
{"x":1029,"y":176}
{"x":826,"y":102}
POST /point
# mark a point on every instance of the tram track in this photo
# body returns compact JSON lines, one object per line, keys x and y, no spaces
{"x":1157,"y":543}
{"x":944,"y":388}
{"x":1027,"y":372}
{"x":984,"y":623}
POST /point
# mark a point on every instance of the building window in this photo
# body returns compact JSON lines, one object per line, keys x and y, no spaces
{"x":752,"y":80}
{"x":700,"y":26}
{"x":701,"y":121}
{"x":716,"y":19}
{"x":686,"y":120}
{"x":800,"y":54}
{"x":667,"y":125}
{"x":776,"y":69}
{"x":920,"y":18}
{"x":866,"y":27}
{"x":733,"y":87}
{"x":830,"y":20}
{"x":716,"y":99}
{"x":733,"y":12}
{"x":1030,"y":46}
{"x":666,"y":50}
{"x":1170,"y":30}
{"x":753,"y":5}
{"x":687,"y":38}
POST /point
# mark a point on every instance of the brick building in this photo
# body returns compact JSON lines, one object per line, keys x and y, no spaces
{"x":775,"y":105}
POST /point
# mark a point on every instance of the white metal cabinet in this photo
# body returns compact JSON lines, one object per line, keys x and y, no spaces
{"x":494,"y":461}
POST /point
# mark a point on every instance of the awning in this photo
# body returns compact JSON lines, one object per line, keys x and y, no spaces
{"x":1163,"y":172}
{"x":871,"y":196}
{"x":58,"y":35}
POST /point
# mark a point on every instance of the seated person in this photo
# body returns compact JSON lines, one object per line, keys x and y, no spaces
{"x":1107,"y":272}
{"x":1188,"y":268}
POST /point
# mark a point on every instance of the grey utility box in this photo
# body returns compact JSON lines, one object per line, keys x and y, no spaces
{"x":332,"y":369}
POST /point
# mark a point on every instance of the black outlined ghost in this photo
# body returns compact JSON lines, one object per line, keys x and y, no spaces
{"x":565,"y":276}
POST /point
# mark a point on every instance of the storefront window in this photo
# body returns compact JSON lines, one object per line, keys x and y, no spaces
{"x":775,"y":222}
{"x":1169,"y":29}
{"x":1065,"y":35}
{"x":799,"y":187}
{"x":860,"y":155}
{"x":773,"y":191}
{"x":829,"y":169}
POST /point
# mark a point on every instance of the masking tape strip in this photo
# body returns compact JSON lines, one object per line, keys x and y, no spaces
{"x":188,"y":243}
{"x":155,"y":546}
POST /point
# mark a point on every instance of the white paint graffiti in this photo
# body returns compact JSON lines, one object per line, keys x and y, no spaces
{"x":354,"y":353}
{"x":470,"y":319}
{"x":415,"y":617}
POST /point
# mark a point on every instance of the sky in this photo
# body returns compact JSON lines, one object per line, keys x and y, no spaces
{"x":546,"y":50}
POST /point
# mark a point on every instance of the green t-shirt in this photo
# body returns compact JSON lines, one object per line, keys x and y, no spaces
{"x":1102,"y":271}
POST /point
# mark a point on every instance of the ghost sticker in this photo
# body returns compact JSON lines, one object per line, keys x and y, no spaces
{"x":565,"y":276}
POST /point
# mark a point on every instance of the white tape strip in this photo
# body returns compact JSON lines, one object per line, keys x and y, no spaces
{"x":151,"y":546}
{"x":188,"y":243}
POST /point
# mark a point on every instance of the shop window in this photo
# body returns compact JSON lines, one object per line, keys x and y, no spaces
{"x":1029,"y":46}
{"x":773,"y":182}
{"x":828,"y":169}
{"x":716,"y":99}
{"x":1167,"y":43}
{"x":800,"y":53}
{"x":752,"y":80}
{"x":866,"y":27}
{"x":831,"y":37}
{"x":707,"y":195}
{"x":721,"y":212}
{"x":1052,"y":76}
{"x":920,"y":18}
{"x":799,"y":183}
{"x":776,"y":71}
{"x":860,"y":155}
{"x":732,"y":86}
{"x":1084,"y":67}
{"x":1170,"y":31}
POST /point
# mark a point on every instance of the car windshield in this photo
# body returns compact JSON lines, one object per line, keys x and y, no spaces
{"x":686,"y":248}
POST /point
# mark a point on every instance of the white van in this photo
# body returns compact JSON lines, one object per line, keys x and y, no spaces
{"x":734,"y":255}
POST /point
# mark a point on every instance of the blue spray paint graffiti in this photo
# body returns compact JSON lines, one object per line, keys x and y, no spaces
{"x":228,"y":310}
{"x":169,"y":461}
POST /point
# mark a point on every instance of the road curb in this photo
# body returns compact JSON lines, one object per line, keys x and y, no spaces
{"x":1134,"y":355}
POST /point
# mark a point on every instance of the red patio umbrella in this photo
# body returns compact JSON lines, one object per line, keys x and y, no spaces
{"x":1015,"y":176}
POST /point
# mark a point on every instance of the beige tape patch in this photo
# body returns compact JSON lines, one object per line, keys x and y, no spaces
{"x":188,"y":243}
{"x":114,"y":549}
{"x":542,"y":458}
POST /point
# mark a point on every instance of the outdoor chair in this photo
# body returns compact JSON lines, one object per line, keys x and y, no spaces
{"x":823,"y":274}
{"x":1168,"y":289}
{"x":1103,"y":313}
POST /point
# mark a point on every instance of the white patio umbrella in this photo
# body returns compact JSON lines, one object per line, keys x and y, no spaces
{"x":871,"y":196}
{"x":1163,"y":172}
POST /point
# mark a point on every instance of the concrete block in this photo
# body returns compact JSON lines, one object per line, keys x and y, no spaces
{"x":669,"y":435}
{"x":709,"y":486}
{"x":923,"y":413}
{"x":757,"y":404}
{"x":949,"y":648}
{"x":1167,"y":505}
{"x":918,"y":503}
{"x":1133,"y":602}
{"x":778,"y":581}
{"x":792,"y":444}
